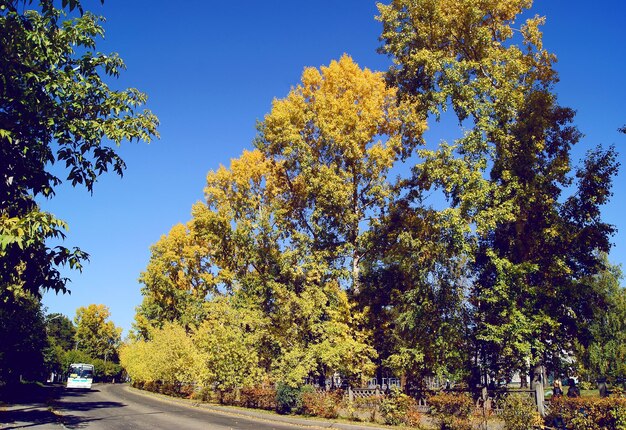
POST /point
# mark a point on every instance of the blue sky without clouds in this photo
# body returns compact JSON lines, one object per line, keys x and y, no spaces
{"x":211,"y":70}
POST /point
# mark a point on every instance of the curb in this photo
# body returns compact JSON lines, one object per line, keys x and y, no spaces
{"x":264,"y":415}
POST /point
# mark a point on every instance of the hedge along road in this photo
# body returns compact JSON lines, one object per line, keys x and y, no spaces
{"x":116,"y":406}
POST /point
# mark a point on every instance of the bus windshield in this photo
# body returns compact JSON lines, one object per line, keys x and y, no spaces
{"x":81,"y":371}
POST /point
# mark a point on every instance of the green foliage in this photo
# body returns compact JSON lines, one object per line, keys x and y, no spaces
{"x":54,"y":107}
{"x":225,"y":347}
{"x":288,"y":398}
{"x":176,"y":281}
{"x":106,"y":371}
{"x":521,"y":251}
{"x":60,"y":331}
{"x":519,"y":412}
{"x":605,"y":354}
{"x":169,"y":357}
{"x":53,"y":359}
{"x":23,"y":340}
{"x":306,"y":260}
{"x":256,"y":302}
{"x":74,"y":356}
{"x":589,"y":413}
{"x":585,"y":385}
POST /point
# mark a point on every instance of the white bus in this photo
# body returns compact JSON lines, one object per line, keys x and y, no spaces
{"x":80,"y":375}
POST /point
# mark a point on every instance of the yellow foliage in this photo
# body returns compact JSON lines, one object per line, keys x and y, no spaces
{"x":95,"y":335}
{"x":169,"y":356}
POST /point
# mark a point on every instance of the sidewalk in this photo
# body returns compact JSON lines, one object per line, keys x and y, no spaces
{"x":264,"y":415}
{"x":30,"y":407}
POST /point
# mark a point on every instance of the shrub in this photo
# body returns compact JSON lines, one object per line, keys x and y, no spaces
{"x":288,"y":398}
{"x":589,"y":413}
{"x":618,"y":413}
{"x":451,"y":411}
{"x":398,"y":408}
{"x":204,"y":394}
{"x":259,"y":396}
{"x":586,"y":385}
{"x":519,"y":412}
{"x":227,"y":397}
{"x":187,"y":390}
{"x":323,"y":404}
{"x":168,"y":388}
{"x":151,"y":386}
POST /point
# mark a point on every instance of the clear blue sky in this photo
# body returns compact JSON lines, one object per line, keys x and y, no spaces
{"x":211,"y":70}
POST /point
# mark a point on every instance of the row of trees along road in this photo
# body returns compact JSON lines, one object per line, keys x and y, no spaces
{"x":488,"y":258}
{"x":55,"y":108}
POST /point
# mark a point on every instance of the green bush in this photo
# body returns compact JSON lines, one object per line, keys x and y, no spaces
{"x":288,"y":398}
{"x":519,"y":412}
{"x":589,"y":413}
{"x":451,"y":411}
{"x":586,"y":385}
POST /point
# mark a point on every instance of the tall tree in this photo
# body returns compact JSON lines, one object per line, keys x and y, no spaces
{"x":177,"y":280}
{"x":301,"y":310}
{"x":60,"y":330}
{"x":414,"y":289}
{"x":54,"y":107}
{"x":95,"y":335}
{"x":605,"y":355}
{"x":60,"y":333}
{"x":332,"y":142}
{"x":528,"y":248}
{"x":23,"y":334}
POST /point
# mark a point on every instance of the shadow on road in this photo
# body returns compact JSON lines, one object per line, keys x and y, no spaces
{"x":30,"y":393}
{"x":26,"y":417}
{"x":35,"y":405}
{"x":76,"y":392}
{"x":86,"y":406}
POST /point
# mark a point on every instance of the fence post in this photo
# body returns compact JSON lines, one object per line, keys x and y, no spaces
{"x":485,"y":397}
{"x":350,"y":394}
{"x":538,"y":386}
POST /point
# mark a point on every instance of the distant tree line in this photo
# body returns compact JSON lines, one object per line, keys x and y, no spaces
{"x":38,"y":347}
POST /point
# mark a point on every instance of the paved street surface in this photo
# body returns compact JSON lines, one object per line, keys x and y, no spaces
{"x":118,"y":407}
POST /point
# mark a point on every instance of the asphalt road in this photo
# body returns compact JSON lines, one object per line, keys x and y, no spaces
{"x":117,"y":407}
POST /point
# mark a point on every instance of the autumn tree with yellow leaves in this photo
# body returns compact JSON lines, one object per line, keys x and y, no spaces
{"x":95,"y":334}
{"x":331,"y":143}
{"x":307,"y":255}
{"x":277,"y":239}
